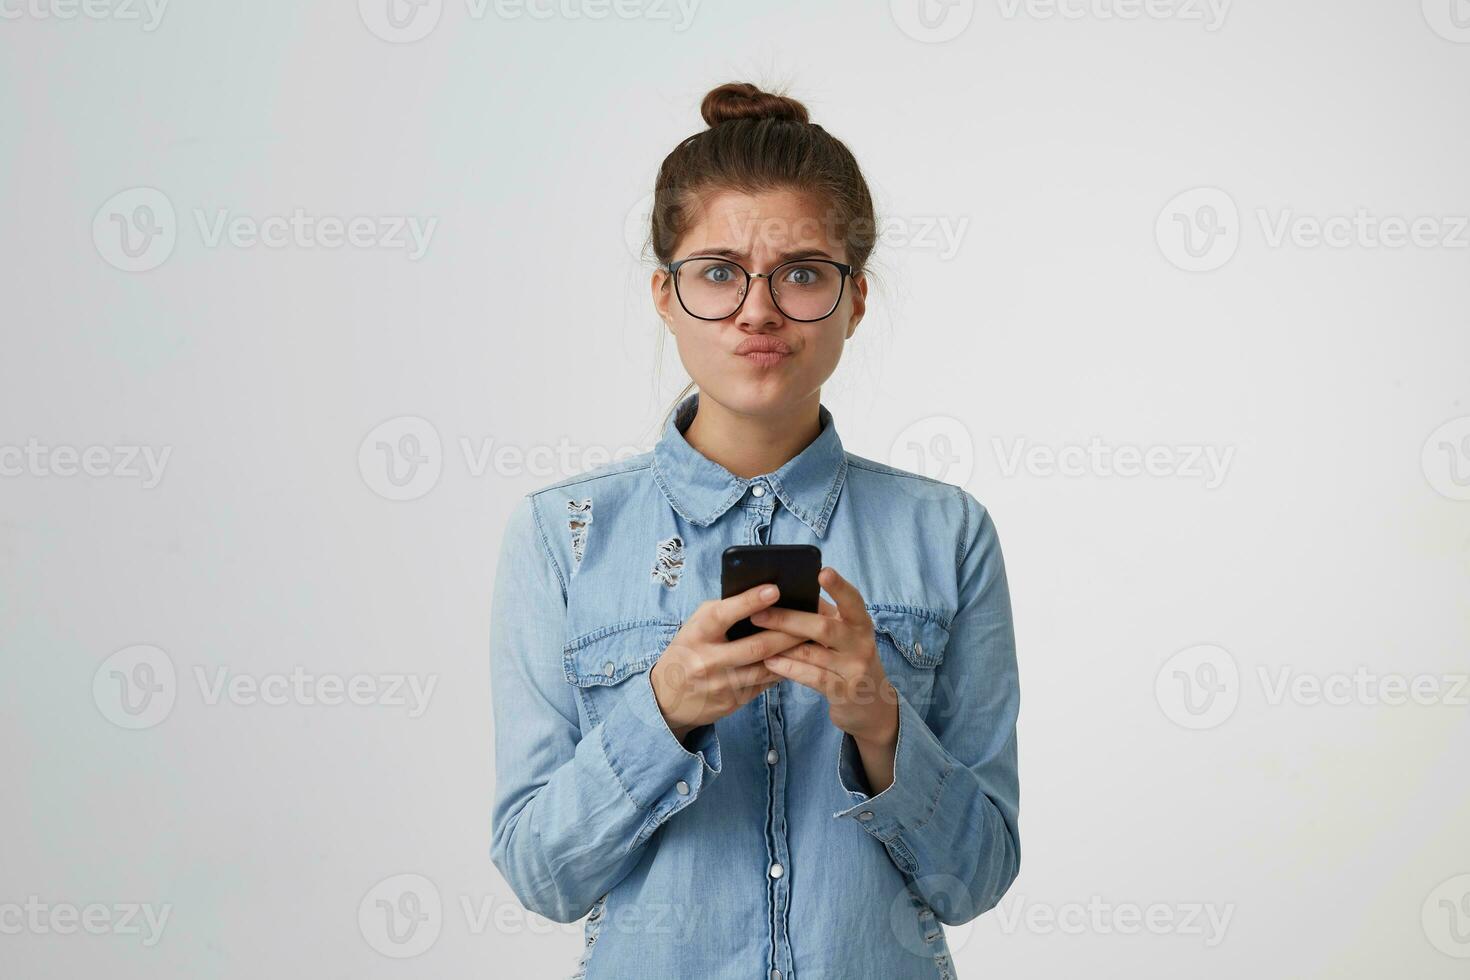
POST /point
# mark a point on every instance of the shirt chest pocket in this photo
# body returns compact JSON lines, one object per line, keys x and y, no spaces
{"x":604,"y":663}
{"x":912,"y":642}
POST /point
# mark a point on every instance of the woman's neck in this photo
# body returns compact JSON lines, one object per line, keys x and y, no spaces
{"x":749,"y":445}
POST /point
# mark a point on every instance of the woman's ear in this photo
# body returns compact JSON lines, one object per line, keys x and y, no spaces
{"x":859,"y":303}
{"x":661,"y":292}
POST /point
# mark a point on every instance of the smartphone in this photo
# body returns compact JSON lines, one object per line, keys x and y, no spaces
{"x":792,"y":567}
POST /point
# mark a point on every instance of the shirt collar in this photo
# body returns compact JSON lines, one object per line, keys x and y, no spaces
{"x":700,"y":489}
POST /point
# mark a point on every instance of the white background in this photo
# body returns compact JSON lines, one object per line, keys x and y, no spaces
{"x":1051,"y":143}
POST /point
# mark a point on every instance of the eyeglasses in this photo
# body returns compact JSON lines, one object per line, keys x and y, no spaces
{"x":711,"y":288}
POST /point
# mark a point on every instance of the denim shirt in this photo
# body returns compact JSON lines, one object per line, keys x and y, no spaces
{"x":753,"y":849}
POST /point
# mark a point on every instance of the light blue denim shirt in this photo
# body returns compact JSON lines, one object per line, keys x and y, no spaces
{"x":753,"y":850}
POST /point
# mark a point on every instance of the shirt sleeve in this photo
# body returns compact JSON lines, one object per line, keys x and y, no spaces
{"x":949,"y":819}
{"x":572,"y":810}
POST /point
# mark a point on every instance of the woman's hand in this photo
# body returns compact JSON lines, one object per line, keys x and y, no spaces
{"x":840,"y":660}
{"x":701,"y":676}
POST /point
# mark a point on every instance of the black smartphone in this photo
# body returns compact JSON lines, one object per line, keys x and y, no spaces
{"x":792,"y":567}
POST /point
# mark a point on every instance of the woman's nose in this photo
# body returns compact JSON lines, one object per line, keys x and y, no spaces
{"x":759,"y":305}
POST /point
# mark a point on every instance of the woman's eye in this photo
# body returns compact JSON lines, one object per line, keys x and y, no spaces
{"x":802,"y":276}
{"x":719,"y":273}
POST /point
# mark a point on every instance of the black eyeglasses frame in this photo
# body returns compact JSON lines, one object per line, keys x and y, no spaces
{"x":673,"y":269}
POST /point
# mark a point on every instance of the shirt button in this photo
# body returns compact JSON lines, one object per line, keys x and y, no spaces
{"x":683,"y":788}
{"x":772,"y":756}
{"x":866,"y":815}
{"x":758,"y":490}
{"x":775,"y":975}
{"x":608,"y":668}
{"x":777,"y":871}
{"x":918,"y":649}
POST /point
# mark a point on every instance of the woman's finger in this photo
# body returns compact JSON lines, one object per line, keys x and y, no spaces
{"x":808,"y":675}
{"x":849,"y":599}
{"x":812,"y":626}
{"x":748,"y":675}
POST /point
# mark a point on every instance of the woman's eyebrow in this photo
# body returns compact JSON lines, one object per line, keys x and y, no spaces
{"x":804,"y":253}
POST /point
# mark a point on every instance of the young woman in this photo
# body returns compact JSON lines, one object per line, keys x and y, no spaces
{"x":809,"y":802}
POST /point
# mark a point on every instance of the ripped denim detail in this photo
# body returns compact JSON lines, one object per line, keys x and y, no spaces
{"x":670,"y":561}
{"x":590,"y":931}
{"x":579,"y":516}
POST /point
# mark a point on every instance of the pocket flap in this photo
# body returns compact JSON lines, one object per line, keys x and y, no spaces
{"x":919,"y":634}
{"x":610,"y":654}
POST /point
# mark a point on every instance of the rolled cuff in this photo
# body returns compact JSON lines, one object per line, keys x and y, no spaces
{"x":647,"y":758}
{"x":920,"y":767}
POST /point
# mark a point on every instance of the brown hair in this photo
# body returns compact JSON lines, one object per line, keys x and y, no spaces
{"x":760,"y":141}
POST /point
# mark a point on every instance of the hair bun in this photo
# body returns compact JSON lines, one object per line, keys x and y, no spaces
{"x":742,"y":100}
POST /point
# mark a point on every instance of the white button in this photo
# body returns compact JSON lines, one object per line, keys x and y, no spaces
{"x":758,"y":490}
{"x":866,"y":815}
{"x":607,"y":668}
{"x":775,"y":975}
{"x":777,"y":871}
{"x":772,"y":756}
{"x":683,"y":789}
{"x":918,"y":649}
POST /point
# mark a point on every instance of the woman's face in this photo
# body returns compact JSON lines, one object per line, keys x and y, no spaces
{"x":760,"y":231}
